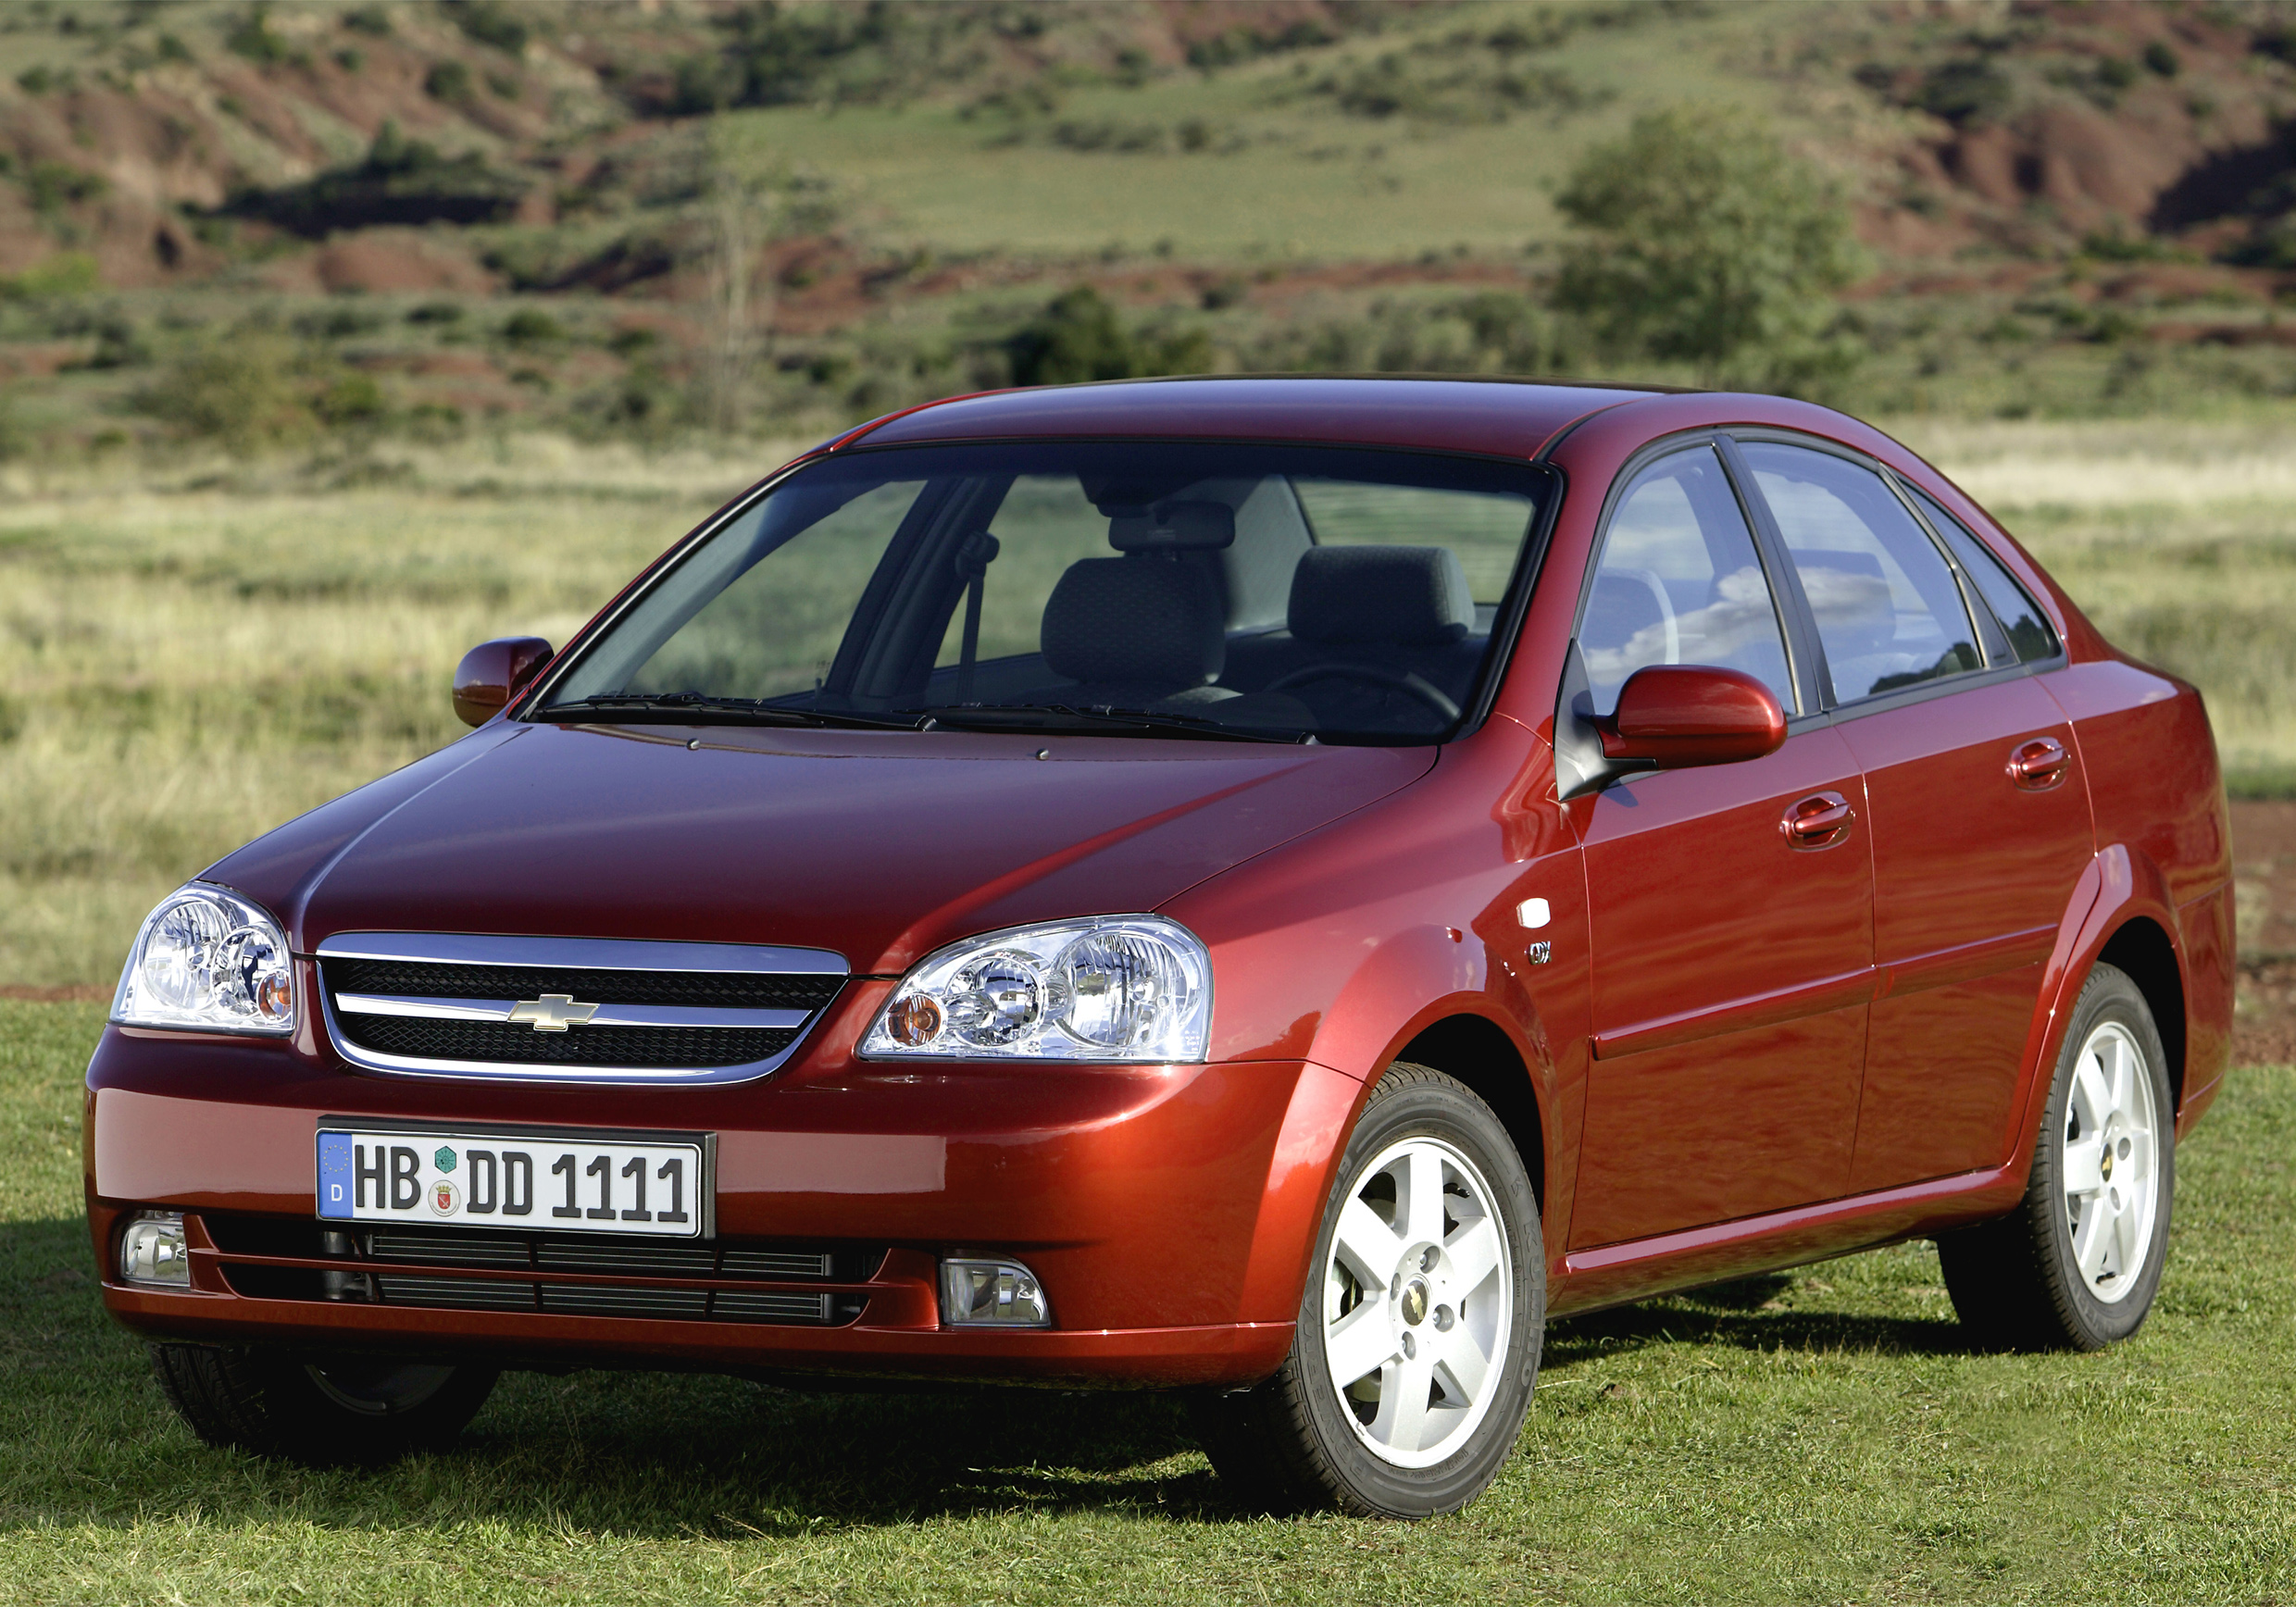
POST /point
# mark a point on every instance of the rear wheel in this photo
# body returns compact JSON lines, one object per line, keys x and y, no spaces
{"x":1419,"y":1330}
{"x":2078,"y":1263}
{"x":326,"y":1410}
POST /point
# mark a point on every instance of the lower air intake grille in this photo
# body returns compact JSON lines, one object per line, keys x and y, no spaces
{"x":504,"y":1043}
{"x":655,"y":1279}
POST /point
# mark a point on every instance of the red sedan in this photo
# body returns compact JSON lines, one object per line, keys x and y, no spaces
{"x":1272,"y":888}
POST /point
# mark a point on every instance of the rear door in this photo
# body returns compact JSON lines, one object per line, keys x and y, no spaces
{"x":1978,"y":816}
{"x":1731,"y":953}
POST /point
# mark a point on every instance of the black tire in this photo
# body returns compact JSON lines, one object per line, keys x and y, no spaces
{"x":2015,"y":1280}
{"x":326,"y":1411}
{"x":1292,"y":1443}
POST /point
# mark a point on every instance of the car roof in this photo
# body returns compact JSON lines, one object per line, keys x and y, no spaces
{"x":1507,"y":417}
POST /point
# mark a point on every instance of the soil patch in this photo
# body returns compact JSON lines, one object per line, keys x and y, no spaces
{"x":2263,"y":873}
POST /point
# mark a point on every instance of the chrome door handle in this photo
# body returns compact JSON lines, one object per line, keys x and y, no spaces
{"x":1819,"y":821}
{"x":2038,"y":764}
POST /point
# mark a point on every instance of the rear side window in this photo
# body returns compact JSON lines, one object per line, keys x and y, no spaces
{"x":2021,"y":617}
{"x":1680,"y":583}
{"x":1887,"y":612}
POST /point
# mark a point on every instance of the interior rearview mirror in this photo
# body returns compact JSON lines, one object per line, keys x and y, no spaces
{"x":1675,"y":716}
{"x":493,"y":672}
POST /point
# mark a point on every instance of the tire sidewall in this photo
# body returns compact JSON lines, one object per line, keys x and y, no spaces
{"x":1437,"y":1107}
{"x":2108,"y":996}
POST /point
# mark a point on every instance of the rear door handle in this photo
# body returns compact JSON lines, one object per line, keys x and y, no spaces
{"x":2040,"y":764}
{"x":1819,"y":821}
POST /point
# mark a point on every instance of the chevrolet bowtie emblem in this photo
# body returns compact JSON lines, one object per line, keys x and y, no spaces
{"x":552,"y":1011}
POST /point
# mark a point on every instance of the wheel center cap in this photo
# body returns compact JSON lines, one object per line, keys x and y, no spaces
{"x":1414,"y":1304}
{"x":2107,"y":1168}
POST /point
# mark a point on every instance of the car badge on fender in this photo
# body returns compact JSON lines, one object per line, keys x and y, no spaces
{"x":552,"y":1011}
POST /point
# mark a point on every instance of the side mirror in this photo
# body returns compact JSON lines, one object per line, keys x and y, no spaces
{"x":493,"y":672}
{"x":1675,"y":716}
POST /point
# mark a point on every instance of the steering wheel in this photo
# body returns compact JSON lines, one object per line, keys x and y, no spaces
{"x":1403,"y":680}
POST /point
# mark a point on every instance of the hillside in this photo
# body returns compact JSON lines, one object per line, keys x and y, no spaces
{"x":2068,"y":206}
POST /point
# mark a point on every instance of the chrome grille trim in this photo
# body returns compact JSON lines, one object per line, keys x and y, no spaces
{"x":580,"y":954}
{"x":605,"y":1016}
{"x":821,"y":970}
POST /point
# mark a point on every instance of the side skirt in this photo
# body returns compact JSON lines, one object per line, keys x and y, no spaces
{"x":1617,"y":1274}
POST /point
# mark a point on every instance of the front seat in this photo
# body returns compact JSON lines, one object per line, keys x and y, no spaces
{"x":1136,"y":631}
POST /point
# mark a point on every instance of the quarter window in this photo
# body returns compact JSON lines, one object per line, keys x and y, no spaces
{"x":2021,"y":617}
{"x":1680,"y":583}
{"x":1887,"y":612}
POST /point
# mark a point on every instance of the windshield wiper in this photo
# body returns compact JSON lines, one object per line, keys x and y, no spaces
{"x":750,"y":710}
{"x":1108,"y":719}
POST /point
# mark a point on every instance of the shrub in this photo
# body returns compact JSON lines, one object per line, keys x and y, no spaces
{"x":253,"y":37}
{"x":241,"y":394}
{"x":448,"y":82}
{"x":1704,"y":243}
{"x":489,"y":22}
{"x":1079,"y":336}
{"x":531,"y":327}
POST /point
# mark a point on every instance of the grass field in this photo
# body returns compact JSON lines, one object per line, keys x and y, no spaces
{"x":1824,"y":1437}
{"x":192,"y":654}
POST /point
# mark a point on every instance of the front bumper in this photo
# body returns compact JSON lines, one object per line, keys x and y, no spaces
{"x":1167,"y":1209}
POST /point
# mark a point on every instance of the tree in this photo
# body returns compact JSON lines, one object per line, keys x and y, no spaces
{"x":1705,"y":242}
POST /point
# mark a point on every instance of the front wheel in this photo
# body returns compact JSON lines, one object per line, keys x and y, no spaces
{"x":2078,"y":1263}
{"x":326,"y":1411}
{"x":1418,"y":1335}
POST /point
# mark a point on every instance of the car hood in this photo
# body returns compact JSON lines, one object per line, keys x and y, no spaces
{"x":879,"y":846}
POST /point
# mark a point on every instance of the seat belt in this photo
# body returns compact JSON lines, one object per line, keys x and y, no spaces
{"x":973,"y":558}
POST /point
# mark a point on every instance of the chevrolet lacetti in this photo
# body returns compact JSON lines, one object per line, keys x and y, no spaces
{"x":1268,"y":888}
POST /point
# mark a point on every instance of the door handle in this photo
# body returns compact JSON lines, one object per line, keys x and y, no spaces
{"x":1819,"y":821}
{"x":2038,"y":764}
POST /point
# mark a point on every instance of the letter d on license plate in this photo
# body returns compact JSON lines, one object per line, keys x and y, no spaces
{"x":533,"y":1181}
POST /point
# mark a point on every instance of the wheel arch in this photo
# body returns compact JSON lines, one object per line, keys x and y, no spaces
{"x":1474,"y":1050}
{"x":2142,"y":949}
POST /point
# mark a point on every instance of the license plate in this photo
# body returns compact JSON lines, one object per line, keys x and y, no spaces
{"x":565,"y":1182}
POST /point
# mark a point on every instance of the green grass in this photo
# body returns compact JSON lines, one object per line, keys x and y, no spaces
{"x":1821,"y":1437}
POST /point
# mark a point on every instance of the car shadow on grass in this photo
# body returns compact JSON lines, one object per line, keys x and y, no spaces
{"x":661,"y":1454}
{"x":1749,"y":1313}
{"x":670,"y":1455}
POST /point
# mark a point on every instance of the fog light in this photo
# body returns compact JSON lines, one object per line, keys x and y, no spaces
{"x":152,"y":1251}
{"x":992,"y":1294}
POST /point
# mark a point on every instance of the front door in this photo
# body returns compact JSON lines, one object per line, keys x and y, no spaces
{"x":1730,"y":908}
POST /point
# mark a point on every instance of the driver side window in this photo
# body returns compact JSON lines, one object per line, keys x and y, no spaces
{"x":1680,"y":583}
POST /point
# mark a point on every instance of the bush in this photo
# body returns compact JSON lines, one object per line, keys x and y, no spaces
{"x":242,"y":395}
{"x":1704,"y":243}
{"x":490,"y":24}
{"x":67,"y":273}
{"x":253,"y":37}
{"x":448,"y":82}
{"x":1080,"y":337}
{"x":401,"y":181}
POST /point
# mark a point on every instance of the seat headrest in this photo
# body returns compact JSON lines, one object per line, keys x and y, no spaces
{"x":1406,"y":596}
{"x":1143,"y":621}
{"x":1174,"y":527}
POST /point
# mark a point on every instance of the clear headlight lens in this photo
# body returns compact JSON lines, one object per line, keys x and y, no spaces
{"x":209,"y":958}
{"x":1124,"y":989}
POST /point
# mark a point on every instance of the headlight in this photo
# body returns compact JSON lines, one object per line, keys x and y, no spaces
{"x":209,"y":958}
{"x":1125,"y":989}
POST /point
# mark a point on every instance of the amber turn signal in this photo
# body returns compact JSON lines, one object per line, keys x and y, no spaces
{"x":914,"y":1021}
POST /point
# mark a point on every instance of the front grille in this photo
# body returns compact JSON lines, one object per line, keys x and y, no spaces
{"x":609,"y":1010}
{"x":723,"y":990}
{"x":444,"y":1252}
{"x":509,"y":1043}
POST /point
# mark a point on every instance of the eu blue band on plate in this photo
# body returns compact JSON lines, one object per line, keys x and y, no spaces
{"x":334,"y":1174}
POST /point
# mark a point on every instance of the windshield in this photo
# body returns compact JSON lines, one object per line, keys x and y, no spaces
{"x":1226,"y":591}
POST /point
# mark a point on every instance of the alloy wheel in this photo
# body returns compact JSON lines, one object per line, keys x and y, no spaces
{"x":2111,"y":1170}
{"x":1418,"y":1301}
